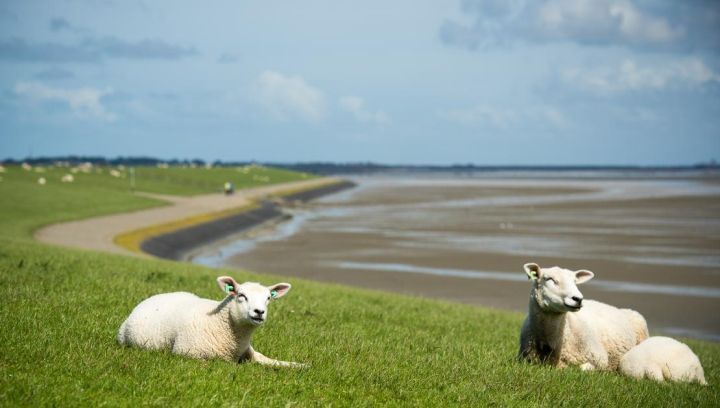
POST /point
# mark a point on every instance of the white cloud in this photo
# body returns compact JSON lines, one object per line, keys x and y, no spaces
{"x":506,"y":119}
{"x":290,"y":97}
{"x":356,"y":106}
{"x":591,"y":22}
{"x":632,"y":76}
{"x":85,"y":102}
{"x":603,"y":19}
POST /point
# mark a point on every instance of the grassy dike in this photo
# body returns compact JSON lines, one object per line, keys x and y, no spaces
{"x":61,"y":309}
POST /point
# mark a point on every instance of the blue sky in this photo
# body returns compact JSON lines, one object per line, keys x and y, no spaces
{"x":410,"y":82}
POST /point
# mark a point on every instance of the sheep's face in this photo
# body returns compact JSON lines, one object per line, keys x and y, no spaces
{"x":250,"y":300}
{"x":555,"y":289}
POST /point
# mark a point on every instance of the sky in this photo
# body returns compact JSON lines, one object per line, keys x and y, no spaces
{"x":489,"y":82}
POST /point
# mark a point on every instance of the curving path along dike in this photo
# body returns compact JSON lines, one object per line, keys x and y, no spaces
{"x":172,"y":226}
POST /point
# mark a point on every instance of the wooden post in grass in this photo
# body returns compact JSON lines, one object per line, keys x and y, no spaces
{"x":132,"y":179}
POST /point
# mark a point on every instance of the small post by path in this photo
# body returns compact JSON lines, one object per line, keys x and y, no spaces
{"x":132,"y":179}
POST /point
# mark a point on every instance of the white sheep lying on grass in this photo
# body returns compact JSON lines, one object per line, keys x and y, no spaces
{"x":662,"y":358}
{"x":204,"y":328}
{"x":68,"y":178}
{"x":562,"y":329}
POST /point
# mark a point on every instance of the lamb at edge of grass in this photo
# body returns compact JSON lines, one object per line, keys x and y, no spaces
{"x":203,"y":328}
{"x":663,"y":358}
{"x":561,"y":329}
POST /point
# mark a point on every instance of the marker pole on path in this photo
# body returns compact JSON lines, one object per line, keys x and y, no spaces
{"x":132,"y":179}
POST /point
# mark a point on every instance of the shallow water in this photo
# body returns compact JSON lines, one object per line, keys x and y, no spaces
{"x":339,"y":215}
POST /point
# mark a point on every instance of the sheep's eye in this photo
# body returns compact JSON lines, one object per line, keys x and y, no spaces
{"x":551,"y":280}
{"x":241,"y":296}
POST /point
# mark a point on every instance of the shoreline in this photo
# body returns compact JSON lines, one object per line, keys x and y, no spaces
{"x":122,"y":233}
{"x":177,"y":244}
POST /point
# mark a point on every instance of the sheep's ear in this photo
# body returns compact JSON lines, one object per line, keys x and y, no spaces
{"x":583,"y":276}
{"x":532,"y":270}
{"x":279,"y":290}
{"x":227,"y":285}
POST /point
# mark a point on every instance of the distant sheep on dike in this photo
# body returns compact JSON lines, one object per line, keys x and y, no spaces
{"x":562,"y":329}
{"x":662,"y":358}
{"x":203,"y":328}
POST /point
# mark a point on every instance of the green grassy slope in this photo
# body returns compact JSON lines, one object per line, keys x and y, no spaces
{"x":188,"y":181}
{"x":173,"y":180}
{"x":26,"y":205}
{"x":61,"y":310}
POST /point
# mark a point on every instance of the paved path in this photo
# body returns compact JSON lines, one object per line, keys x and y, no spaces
{"x":98,"y":233}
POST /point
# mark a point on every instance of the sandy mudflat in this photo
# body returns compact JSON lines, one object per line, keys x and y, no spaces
{"x":654,"y":245}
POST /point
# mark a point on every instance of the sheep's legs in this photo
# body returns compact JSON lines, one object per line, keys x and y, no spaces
{"x":261,"y":359}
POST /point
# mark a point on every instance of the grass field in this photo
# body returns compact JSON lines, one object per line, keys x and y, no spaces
{"x":172,"y":180}
{"x":61,"y":310}
{"x":27,"y":205}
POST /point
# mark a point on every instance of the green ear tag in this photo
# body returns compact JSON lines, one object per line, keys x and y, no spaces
{"x":228,"y":288}
{"x":273,"y":294}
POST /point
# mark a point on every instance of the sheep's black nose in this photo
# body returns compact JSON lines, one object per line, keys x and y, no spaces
{"x":578,"y":300}
{"x":259,"y":312}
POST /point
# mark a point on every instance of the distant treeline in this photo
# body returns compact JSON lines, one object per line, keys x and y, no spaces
{"x":99,"y":160}
{"x":347,"y":168}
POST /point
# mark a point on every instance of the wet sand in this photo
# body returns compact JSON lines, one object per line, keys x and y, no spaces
{"x":654,"y":245}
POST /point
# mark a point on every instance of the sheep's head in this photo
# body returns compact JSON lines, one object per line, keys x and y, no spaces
{"x":249,"y":300}
{"x":555,"y":289}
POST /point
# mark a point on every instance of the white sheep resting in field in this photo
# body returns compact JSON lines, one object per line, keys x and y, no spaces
{"x":662,"y":358}
{"x":562,"y":329}
{"x":68,"y":178}
{"x":204,"y":328}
